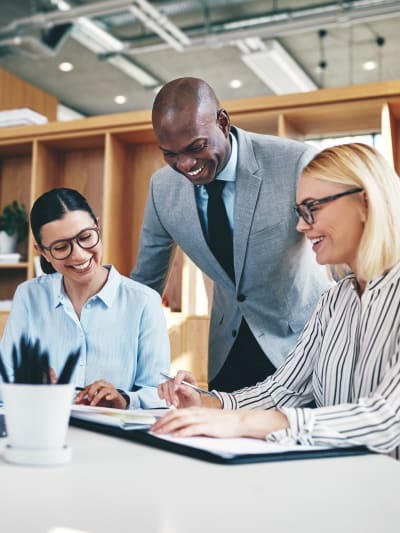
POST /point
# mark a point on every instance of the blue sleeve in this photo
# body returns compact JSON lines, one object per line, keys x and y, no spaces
{"x":153,"y":354}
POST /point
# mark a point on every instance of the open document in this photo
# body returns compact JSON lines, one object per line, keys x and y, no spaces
{"x":119,"y":422}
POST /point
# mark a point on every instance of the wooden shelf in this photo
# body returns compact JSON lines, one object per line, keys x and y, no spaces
{"x":21,"y":264}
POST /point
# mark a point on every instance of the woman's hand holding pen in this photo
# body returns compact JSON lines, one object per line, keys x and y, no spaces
{"x":102,"y":394}
{"x":192,"y":419}
{"x":177,"y":394}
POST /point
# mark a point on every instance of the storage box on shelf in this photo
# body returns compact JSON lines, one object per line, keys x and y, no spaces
{"x":110,"y":159}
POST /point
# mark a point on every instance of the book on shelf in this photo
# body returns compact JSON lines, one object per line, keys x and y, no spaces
{"x":21,"y":117}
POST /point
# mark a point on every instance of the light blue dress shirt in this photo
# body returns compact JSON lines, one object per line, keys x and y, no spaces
{"x":122,"y":333}
{"x":228,"y":174}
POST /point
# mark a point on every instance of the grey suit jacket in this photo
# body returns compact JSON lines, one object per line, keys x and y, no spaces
{"x":278,"y":281}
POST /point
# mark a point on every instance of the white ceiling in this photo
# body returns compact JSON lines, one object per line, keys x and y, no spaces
{"x":354,"y":29}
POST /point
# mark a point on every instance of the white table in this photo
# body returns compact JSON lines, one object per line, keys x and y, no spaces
{"x":116,"y":486}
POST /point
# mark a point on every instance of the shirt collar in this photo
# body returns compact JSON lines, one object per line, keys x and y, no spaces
{"x":228,"y":173}
{"x":106,"y":294}
{"x":386,"y":278}
{"x":109,"y":290}
{"x":379,"y":282}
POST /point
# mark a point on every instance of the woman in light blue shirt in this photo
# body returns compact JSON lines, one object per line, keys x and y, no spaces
{"x":117,"y":323}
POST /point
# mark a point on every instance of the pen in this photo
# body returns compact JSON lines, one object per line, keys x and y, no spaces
{"x":194,"y":387}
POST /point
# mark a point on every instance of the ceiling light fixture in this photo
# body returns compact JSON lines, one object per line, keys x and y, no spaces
{"x":94,"y":37}
{"x":120,"y":99}
{"x":369,"y":65}
{"x":66,"y":66}
{"x":277,"y":69}
{"x":235,"y":84}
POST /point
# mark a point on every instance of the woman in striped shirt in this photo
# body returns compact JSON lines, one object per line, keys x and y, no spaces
{"x":347,"y":359}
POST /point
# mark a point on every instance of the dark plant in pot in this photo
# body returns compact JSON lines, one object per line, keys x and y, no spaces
{"x":14,"y":223}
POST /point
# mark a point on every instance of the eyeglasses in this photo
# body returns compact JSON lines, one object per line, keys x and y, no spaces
{"x":305,"y":209}
{"x":86,"y":239}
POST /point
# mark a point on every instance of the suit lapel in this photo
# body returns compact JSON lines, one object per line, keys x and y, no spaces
{"x":247,"y":190}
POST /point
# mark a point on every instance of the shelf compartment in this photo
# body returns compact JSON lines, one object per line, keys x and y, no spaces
{"x":10,"y":278}
{"x":76,"y":162}
{"x":128,"y":171}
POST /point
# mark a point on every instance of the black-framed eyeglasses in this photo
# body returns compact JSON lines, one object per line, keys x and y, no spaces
{"x":305,"y":209}
{"x":87,"y":238}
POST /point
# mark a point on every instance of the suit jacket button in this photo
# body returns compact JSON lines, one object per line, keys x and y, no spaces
{"x":241,"y":298}
{"x":234,"y":332}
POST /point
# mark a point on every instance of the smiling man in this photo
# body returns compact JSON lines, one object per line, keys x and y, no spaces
{"x":225,"y":197}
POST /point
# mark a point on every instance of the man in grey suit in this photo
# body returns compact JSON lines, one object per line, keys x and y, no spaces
{"x":262,"y":303}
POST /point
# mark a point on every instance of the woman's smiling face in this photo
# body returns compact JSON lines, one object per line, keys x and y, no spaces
{"x":338,"y":225}
{"x":82,"y":264}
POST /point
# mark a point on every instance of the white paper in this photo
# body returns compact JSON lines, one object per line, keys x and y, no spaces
{"x":238,"y":446}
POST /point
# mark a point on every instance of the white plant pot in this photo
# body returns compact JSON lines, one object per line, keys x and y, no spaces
{"x":37,"y":421}
{"x":8,"y":243}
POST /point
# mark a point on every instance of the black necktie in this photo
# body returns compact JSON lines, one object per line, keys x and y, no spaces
{"x":219,"y":231}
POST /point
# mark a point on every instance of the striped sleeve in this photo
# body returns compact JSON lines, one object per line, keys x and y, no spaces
{"x":373,"y":421}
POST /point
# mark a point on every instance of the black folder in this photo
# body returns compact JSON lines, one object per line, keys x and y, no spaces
{"x":144,"y":437}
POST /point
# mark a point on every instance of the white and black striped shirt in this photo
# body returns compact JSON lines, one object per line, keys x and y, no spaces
{"x":348,"y":361}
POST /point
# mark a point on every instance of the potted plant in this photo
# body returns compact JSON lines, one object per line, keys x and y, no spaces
{"x":13,"y":226}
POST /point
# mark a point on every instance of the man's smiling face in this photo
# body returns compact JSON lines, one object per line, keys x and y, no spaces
{"x":195,"y":143}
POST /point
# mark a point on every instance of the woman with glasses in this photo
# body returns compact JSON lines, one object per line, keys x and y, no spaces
{"x":117,"y":324}
{"x":347,"y":360}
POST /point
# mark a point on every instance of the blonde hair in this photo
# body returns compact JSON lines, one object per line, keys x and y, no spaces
{"x":359,"y":165}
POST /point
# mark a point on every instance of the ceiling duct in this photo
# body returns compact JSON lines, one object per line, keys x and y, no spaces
{"x":271,"y":25}
{"x":55,"y":37}
{"x":160,"y":24}
{"x":107,"y":47}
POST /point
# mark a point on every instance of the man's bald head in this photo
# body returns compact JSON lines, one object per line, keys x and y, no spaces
{"x":184,"y":95}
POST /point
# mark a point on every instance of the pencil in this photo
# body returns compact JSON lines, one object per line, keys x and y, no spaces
{"x":194,"y":387}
